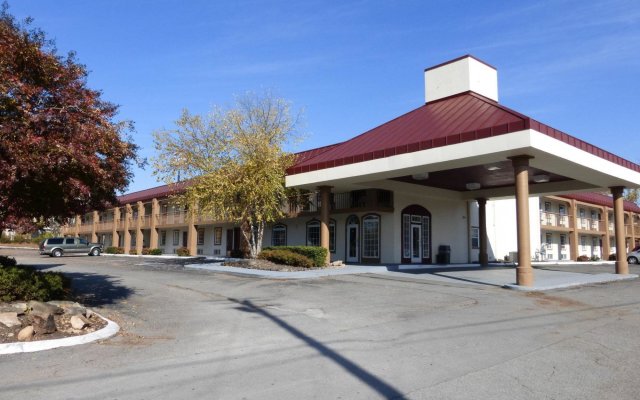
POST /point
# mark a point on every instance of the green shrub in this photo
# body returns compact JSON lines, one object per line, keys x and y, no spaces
{"x":612,"y":257}
{"x":286,"y":257}
{"x":154,"y":252}
{"x":316,"y":254}
{"x":21,"y":283}
{"x":583,"y":258}
{"x":7,"y":261}
{"x":183,"y":252}
{"x":595,"y":258}
{"x":114,"y":250}
{"x":133,"y":252}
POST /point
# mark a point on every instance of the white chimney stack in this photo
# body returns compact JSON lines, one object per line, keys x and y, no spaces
{"x":461,"y":75}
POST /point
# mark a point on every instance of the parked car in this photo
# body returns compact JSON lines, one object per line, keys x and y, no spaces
{"x":57,"y":246}
{"x":633,"y":257}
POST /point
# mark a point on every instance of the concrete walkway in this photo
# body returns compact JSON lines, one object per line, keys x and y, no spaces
{"x":498,"y":275}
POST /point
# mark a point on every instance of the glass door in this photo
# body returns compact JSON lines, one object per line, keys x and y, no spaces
{"x":416,"y":243}
{"x":352,"y":243}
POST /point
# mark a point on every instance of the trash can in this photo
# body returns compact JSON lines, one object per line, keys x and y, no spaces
{"x":444,"y":254}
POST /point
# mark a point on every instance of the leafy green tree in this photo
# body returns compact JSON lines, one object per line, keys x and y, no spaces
{"x":233,"y":161}
{"x":61,"y":150}
{"x":632,"y":195}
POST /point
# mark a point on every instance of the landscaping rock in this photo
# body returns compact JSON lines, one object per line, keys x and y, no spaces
{"x":78,"y":322}
{"x":19,"y":308}
{"x":64,"y":303}
{"x":26,"y":334}
{"x":10,"y":319}
{"x":38,"y":307}
{"x":42,"y":323}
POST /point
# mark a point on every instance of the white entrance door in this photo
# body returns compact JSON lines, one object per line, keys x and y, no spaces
{"x":352,"y":243}
{"x":416,"y":243}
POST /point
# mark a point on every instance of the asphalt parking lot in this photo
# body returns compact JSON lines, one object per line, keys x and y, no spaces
{"x":190,"y":333}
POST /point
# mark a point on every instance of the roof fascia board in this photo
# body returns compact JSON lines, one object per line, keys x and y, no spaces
{"x":585,"y":166}
{"x":458,"y":155}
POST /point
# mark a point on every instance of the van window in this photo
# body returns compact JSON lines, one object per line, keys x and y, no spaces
{"x":54,"y":241}
{"x":69,"y":241}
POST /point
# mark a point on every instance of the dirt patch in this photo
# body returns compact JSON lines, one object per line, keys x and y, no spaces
{"x":546,"y":300}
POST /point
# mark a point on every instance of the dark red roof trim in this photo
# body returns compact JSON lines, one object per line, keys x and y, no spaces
{"x":601,"y":200}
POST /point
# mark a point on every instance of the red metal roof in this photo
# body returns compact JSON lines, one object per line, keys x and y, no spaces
{"x":601,"y":200}
{"x":309,"y":154}
{"x":148,"y":194}
{"x":460,"y":118}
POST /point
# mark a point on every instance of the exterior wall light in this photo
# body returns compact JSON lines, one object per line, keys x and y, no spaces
{"x":473,"y":186}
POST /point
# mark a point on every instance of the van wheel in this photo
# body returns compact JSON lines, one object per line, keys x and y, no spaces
{"x":95,"y":252}
{"x":56,"y":253}
{"x":632,"y":260}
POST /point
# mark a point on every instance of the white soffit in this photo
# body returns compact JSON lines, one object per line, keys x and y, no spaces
{"x":550,"y":154}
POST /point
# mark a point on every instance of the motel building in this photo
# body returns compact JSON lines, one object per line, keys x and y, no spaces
{"x":460,"y":179}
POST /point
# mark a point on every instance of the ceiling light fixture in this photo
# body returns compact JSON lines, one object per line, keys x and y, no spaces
{"x":473,"y":186}
{"x":492,"y":167}
{"x":421,"y":176}
{"x":541,"y":178}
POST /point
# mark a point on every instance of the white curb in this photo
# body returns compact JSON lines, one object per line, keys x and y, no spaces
{"x":27,"y":347}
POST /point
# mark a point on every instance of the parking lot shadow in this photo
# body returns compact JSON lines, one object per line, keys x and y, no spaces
{"x":383,"y":388}
{"x":91,"y":289}
{"x":95,"y":290}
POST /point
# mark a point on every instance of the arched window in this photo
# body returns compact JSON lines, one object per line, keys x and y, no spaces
{"x":371,"y":238}
{"x":313,"y":234}
{"x":279,"y":235}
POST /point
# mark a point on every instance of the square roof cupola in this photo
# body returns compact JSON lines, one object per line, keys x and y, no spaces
{"x":461,"y":75}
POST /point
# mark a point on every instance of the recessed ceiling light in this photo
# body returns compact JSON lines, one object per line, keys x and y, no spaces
{"x":492,"y":167}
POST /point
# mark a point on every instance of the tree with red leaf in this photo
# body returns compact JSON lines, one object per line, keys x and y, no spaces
{"x":61,"y":151}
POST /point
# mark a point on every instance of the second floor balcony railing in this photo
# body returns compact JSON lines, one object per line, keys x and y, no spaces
{"x":104,"y":225}
{"x":173,"y":218}
{"x":358,"y":200}
{"x":554,"y":219}
{"x":86,"y":227}
{"x":589,"y":224}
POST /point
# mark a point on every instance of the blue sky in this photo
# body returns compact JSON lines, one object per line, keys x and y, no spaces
{"x":352,"y":65}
